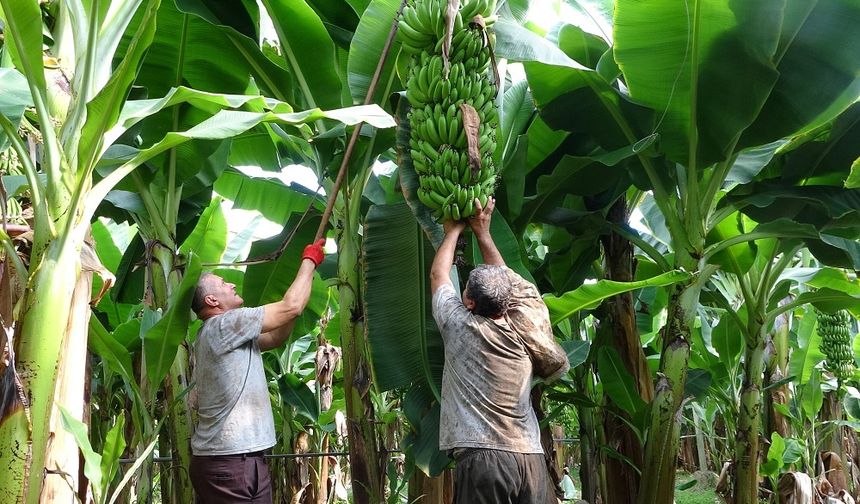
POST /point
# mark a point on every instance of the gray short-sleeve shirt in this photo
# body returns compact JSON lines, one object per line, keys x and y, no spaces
{"x":234,"y":409}
{"x":486,"y":381}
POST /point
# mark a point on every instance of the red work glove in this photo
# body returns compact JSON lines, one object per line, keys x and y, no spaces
{"x":314,"y":252}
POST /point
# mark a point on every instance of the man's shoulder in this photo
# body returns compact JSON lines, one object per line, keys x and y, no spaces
{"x":236,"y":313}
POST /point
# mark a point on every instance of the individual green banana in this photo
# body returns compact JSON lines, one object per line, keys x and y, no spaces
{"x":455,"y":212}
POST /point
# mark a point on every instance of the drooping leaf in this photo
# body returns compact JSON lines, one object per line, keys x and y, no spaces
{"x":296,"y":393}
{"x":366,"y":49}
{"x":617,"y":381}
{"x":308,"y":51}
{"x":14,"y":98}
{"x":817,"y":69}
{"x":807,"y":354}
{"x":404,"y":341}
{"x":520,"y":44}
{"x":225,"y":124}
{"x":831,"y":300}
{"x":710,"y":77}
{"x":589,"y":296}
{"x":92,"y":460}
{"x":209,"y":238}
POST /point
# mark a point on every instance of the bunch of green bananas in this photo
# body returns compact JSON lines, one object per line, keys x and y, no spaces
{"x":836,"y":343}
{"x":9,"y":162}
{"x":449,"y":182}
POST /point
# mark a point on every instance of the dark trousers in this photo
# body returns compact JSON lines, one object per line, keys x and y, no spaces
{"x":227,"y":479}
{"x":501,"y":477}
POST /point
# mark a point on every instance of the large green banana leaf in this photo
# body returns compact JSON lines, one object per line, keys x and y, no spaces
{"x":366,"y":49}
{"x":339,"y":18}
{"x":270,"y":196}
{"x":589,"y":296}
{"x":188,"y":50}
{"x":209,"y":238}
{"x":718,"y":68}
{"x":422,"y":444}
{"x":309,"y":52}
{"x":239,"y":39}
{"x":818,"y":69}
{"x":14,"y":98}
{"x":404,"y":341}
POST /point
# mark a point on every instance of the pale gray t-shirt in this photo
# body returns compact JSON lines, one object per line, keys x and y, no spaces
{"x":489,"y":364}
{"x":234,"y":410}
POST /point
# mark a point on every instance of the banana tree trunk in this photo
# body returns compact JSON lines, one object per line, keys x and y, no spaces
{"x":623,"y":479}
{"x":588,"y":446}
{"x":364,"y":457}
{"x":179,"y":428}
{"x":426,"y":490}
{"x":162,"y":279}
{"x":25,"y":432}
{"x":749,"y":419}
{"x":661,"y":450}
{"x":62,"y":459}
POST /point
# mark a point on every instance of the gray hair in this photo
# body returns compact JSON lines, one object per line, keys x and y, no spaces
{"x":490,"y":288}
{"x":202,"y":290}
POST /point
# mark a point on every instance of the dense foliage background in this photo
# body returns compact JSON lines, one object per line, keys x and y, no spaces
{"x":679,"y":178}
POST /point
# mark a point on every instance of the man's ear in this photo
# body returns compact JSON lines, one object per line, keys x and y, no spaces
{"x":469,"y":303}
{"x":211,"y":300}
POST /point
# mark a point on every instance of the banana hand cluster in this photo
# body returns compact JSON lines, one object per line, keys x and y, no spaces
{"x":836,"y":343}
{"x":449,"y":181}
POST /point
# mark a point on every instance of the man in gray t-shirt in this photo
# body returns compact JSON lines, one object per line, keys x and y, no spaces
{"x":235,"y":422}
{"x":497,"y":338}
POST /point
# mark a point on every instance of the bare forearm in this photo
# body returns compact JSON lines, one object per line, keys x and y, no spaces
{"x":441,"y":267}
{"x":277,"y":337}
{"x":295,"y":300}
{"x":488,"y":249}
{"x":300,"y":290}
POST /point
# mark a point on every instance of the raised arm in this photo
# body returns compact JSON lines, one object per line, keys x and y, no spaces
{"x":440,"y":270}
{"x":279,"y":317}
{"x":480,"y":224}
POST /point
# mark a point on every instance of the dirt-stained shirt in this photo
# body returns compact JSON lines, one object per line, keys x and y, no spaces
{"x":489,"y":364}
{"x":233,"y":405}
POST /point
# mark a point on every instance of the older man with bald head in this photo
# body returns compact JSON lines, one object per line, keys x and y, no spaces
{"x":235,"y":423}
